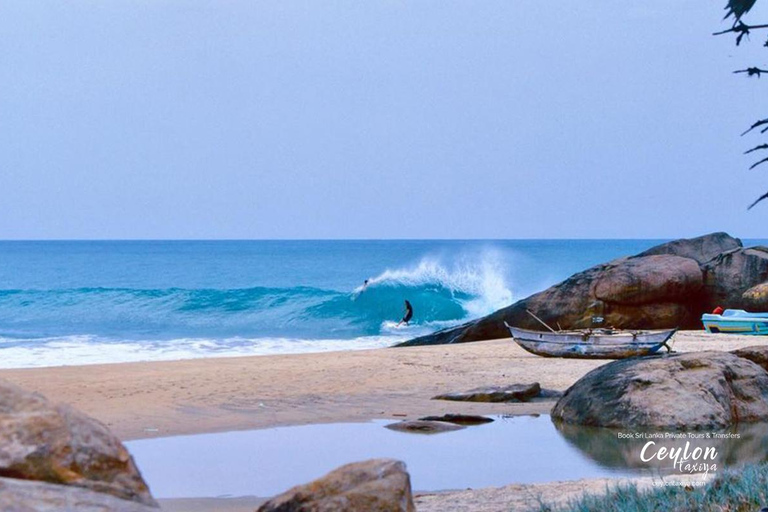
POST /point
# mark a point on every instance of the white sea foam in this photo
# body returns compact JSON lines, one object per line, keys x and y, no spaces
{"x":446,"y":290}
{"x":482,"y":276}
{"x":86,"y":350}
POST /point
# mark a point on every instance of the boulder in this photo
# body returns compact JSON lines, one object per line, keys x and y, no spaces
{"x":29,"y":496}
{"x":54,"y":443}
{"x":649,"y":280}
{"x":424,"y":426}
{"x":697,"y":390}
{"x":756,"y":298}
{"x":459,"y":419}
{"x":377,"y":485}
{"x":702,"y":248}
{"x":653,"y":292}
{"x":757,"y":354}
{"x":512,"y":393}
{"x":667,"y":286}
{"x":731,"y":276}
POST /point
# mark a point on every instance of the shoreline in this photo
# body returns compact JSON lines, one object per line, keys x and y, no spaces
{"x":512,"y":497}
{"x":195,"y":396}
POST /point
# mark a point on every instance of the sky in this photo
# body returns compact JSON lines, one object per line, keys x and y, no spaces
{"x":187,"y":119}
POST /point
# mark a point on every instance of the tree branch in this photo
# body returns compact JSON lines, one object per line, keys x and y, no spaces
{"x":756,"y":148}
{"x":758,"y":123}
{"x":752,"y":71}
{"x":741,"y":27}
{"x":758,"y":163}
{"x":764,"y":196}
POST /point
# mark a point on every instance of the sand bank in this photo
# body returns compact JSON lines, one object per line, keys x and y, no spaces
{"x":140,"y":400}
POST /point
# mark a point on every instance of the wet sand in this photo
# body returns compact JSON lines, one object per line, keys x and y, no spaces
{"x":140,"y":400}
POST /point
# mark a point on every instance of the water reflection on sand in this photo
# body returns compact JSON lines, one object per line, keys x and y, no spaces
{"x":521,"y":449}
{"x":621,"y":449}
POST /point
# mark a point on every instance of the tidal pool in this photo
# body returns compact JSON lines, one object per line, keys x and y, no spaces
{"x":522,"y":449}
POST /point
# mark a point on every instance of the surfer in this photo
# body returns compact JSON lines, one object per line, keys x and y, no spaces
{"x":408,"y":314}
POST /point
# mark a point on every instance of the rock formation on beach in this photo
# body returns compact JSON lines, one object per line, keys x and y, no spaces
{"x":32,"y":496}
{"x":495,"y":394}
{"x":693,"y":390}
{"x":55,"y":444}
{"x":667,"y":286}
{"x":423,"y":426}
{"x":377,"y":485}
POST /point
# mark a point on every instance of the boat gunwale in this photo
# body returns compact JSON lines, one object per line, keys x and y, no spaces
{"x":611,"y":346}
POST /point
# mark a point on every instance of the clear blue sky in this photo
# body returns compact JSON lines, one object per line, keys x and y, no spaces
{"x":395,"y":119}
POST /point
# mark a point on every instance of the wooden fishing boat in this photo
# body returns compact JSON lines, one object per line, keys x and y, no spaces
{"x":591,"y":343}
{"x":736,"y":321}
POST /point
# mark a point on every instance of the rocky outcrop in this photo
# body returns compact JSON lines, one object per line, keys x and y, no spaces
{"x":511,"y":393}
{"x":667,"y":286}
{"x":29,"y":496}
{"x":648,"y":280}
{"x":459,"y":419}
{"x":424,"y":426}
{"x":733,"y":277}
{"x":696,"y":390}
{"x":756,"y":298}
{"x":701,"y":249}
{"x":54,"y":443}
{"x":757,"y":354}
{"x":378,"y":485}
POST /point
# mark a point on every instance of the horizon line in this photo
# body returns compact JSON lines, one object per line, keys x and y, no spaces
{"x":410,"y":239}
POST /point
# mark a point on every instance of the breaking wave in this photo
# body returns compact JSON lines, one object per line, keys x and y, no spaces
{"x":134,"y":324}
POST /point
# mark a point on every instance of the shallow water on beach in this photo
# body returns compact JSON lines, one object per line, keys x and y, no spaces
{"x":522,"y":449}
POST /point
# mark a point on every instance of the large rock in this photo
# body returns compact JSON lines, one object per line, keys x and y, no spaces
{"x":732,"y":274}
{"x":496,"y":394}
{"x":702,"y":248}
{"x":424,"y":426}
{"x":667,"y":286}
{"x":378,"y":485}
{"x":57,"y":444}
{"x":756,"y":298}
{"x":649,"y":280}
{"x":757,"y":354}
{"x":694,"y":390}
{"x":29,"y":496}
{"x":459,"y":419}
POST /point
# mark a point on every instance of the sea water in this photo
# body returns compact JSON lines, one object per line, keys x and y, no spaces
{"x":83,"y":302}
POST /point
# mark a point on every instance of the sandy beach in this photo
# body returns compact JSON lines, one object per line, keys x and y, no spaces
{"x":154,"y":399}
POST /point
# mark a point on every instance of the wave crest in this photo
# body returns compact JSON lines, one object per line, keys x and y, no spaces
{"x":442,"y":293}
{"x":478,"y":283}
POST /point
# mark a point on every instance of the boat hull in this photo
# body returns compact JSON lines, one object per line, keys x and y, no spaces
{"x":737,"y":322}
{"x":578,"y":345}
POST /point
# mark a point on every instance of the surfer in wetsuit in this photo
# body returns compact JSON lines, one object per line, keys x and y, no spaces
{"x":408,"y":314}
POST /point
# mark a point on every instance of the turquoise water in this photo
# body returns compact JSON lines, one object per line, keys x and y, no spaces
{"x":80,"y":302}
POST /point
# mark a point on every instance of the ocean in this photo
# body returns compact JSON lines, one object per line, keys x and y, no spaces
{"x":87,"y":302}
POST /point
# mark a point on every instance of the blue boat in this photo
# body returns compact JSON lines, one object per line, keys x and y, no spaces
{"x":736,"y":321}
